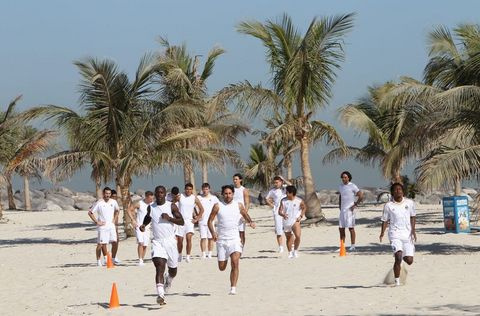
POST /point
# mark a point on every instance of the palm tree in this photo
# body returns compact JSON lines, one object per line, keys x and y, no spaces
{"x":262,"y":166}
{"x":303,"y":72}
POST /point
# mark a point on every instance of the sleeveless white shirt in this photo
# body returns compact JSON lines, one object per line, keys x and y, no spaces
{"x":292,"y":209}
{"x":161,"y":228}
{"x":238,"y":195}
{"x":207,"y":203}
{"x":141,"y":212}
{"x":186,"y":206}
{"x":228,"y":217}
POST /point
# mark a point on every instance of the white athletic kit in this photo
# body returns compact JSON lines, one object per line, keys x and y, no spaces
{"x":277,"y":195}
{"x":164,"y":244}
{"x":105,"y":213}
{"x":228,"y":240}
{"x":293,"y":211}
{"x":186,"y":204}
{"x":400,"y":228}
{"x":142,"y":237}
{"x":207,"y":203}
{"x":238,"y":197}
{"x":347,"y":199}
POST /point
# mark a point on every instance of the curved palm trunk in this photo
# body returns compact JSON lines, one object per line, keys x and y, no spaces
{"x":26,"y":192}
{"x":458,"y":186}
{"x":1,"y":206}
{"x":289,"y":167}
{"x":11,"y":201}
{"x":126,"y":201}
{"x":188,"y":174}
{"x":396,"y":177}
{"x":98,"y":187}
{"x":314,"y":209}
{"x":204,"y":172}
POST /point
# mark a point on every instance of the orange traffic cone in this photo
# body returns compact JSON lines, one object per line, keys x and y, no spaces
{"x":114,"y":297}
{"x":343,"y":252}
{"x":109,"y":261}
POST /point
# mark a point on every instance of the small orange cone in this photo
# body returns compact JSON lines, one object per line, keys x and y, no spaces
{"x":109,"y":261}
{"x":114,"y":297}
{"x":343,"y":252}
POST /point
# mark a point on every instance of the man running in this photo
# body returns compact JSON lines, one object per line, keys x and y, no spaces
{"x":348,"y":192}
{"x":273,"y":199}
{"x":228,"y":237}
{"x":241,"y":195}
{"x":292,"y":209}
{"x":163,"y":215}
{"x":399,"y":215}
{"x":137,"y":212}
{"x":208,"y":201}
{"x":107,"y":211}
{"x":187,"y":203}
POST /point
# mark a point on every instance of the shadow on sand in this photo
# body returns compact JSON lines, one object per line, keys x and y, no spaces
{"x":45,"y":240}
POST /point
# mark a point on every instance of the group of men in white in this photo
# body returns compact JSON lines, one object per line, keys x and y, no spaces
{"x":173,"y":215}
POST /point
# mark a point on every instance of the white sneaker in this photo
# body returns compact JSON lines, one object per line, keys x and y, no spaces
{"x":161,"y":300}
{"x":140,"y":263}
{"x":397,"y":282}
{"x":204,"y":255}
{"x":99,"y":263}
{"x":352,"y":248}
{"x":291,"y":255}
{"x":187,"y":260}
{"x":116,"y":261}
{"x":179,"y":258}
{"x":233,"y":291}
{"x":280,"y":249}
{"x":295,"y":253}
{"x":209,"y":255}
{"x":168,"y":283}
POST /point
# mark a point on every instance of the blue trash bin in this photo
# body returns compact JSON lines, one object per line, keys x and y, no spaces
{"x":456,"y":215}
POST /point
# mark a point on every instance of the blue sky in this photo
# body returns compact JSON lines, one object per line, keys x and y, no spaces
{"x":40,"y":39}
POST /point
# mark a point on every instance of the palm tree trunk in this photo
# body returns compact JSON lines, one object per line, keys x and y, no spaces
{"x":98,"y":187}
{"x":188,"y":174}
{"x":118,"y":188}
{"x":1,"y":206}
{"x":314,"y":209}
{"x":126,"y":201}
{"x":396,"y":177}
{"x":458,"y":186}
{"x":26,"y":192}
{"x":192,"y":178}
{"x":289,"y":166}
{"x":204,"y":172}
{"x":11,"y":201}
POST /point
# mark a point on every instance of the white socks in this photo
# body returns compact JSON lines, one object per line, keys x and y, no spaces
{"x":397,"y":281}
{"x":160,"y":290}
{"x":188,"y":258}
{"x":204,"y":255}
{"x":280,"y":249}
{"x":209,"y":255}
{"x":233,"y":290}
{"x":99,"y":263}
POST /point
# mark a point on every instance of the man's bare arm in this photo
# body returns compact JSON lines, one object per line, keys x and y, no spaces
{"x":211,"y":218}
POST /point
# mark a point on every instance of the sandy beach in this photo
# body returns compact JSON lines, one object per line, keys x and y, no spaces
{"x":48,"y":268}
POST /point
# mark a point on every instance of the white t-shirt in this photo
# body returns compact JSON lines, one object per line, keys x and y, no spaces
{"x":292,"y":209}
{"x":228,"y":217}
{"x":238,"y":195}
{"x":105,"y":210}
{"x":207,"y":203}
{"x":141,"y":211}
{"x":276,"y":195}
{"x":399,"y":216}
{"x":347,"y":195}
{"x":186,"y":204}
{"x":161,"y":228}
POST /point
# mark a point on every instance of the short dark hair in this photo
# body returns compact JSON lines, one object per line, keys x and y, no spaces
{"x":106,"y":189}
{"x":239,"y":176}
{"x":159,"y":187}
{"x":148,"y":193}
{"x":113,"y":192}
{"x":349,"y":175}
{"x":396,"y":184}
{"x":188,"y":185}
{"x":205,"y":185}
{"x":277,"y":178}
{"x":175,"y":190}
{"x":228,"y":186}
{"x":291,"y":189}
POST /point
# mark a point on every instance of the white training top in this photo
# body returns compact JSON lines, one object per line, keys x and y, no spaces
{"x":207,"y":203}
{"x":105,"y":210}
{"x":238,"y":195}
{"x":161,"y":228}
{"x":186,"y":204}
{"x":141,"y":212}
{"x":276,"y":195}
{"x":399,"y":216}
{"x":292,"y":209}
{"x":347,"y":195}
{"x":228,"y":217}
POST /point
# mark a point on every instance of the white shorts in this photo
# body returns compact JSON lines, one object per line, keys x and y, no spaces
{"x":346,"y":219}
{"x":278,"y":220}
{"x":241,"y":225}
{"x":287,"y":226}
{"x":166,"y":249}
{"x":406,"y":246}
{"x":226,"y":247}
{"x":204,"y":231}
{"x":106,"y":234}
{"x":183,"y":230}
{"x":142,"y":237}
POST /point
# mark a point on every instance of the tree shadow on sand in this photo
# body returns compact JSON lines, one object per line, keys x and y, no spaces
{"x":447,"y":309}
{"x":85,"y":224}
{"x":45,"y":240}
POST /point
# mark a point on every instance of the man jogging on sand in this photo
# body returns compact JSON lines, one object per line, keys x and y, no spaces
{"x":399,"y":215}
{"x":292,"y":209}
{"x":274,"y":197}
{"x":228,"y":241}
{"x":137,"y":212}
{"x":346,"y":219}
{"x":163,"y":215}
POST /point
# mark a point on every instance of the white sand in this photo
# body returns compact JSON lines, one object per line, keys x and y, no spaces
{"x":48,"y":268}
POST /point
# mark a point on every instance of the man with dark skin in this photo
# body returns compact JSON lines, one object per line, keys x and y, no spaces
{"x":163,"y":215}
{"x":399,"y":216}
{"x":227,"y":235}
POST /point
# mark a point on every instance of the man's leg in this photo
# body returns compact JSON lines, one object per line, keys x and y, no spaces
{"x":235,"y":271}
{"x":397,"y":266}
{"x":242,"y":238}
{"x":179,"y":245}
{"x":297,"y":232}
{"x":222,"y":265}
{"x":115,"y":244}
{"x":159,"y":279}
{"x":189,"y":245}
{"x":98,"y":251}
{"x":342,"y":233}
{"x":352,"y":237}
